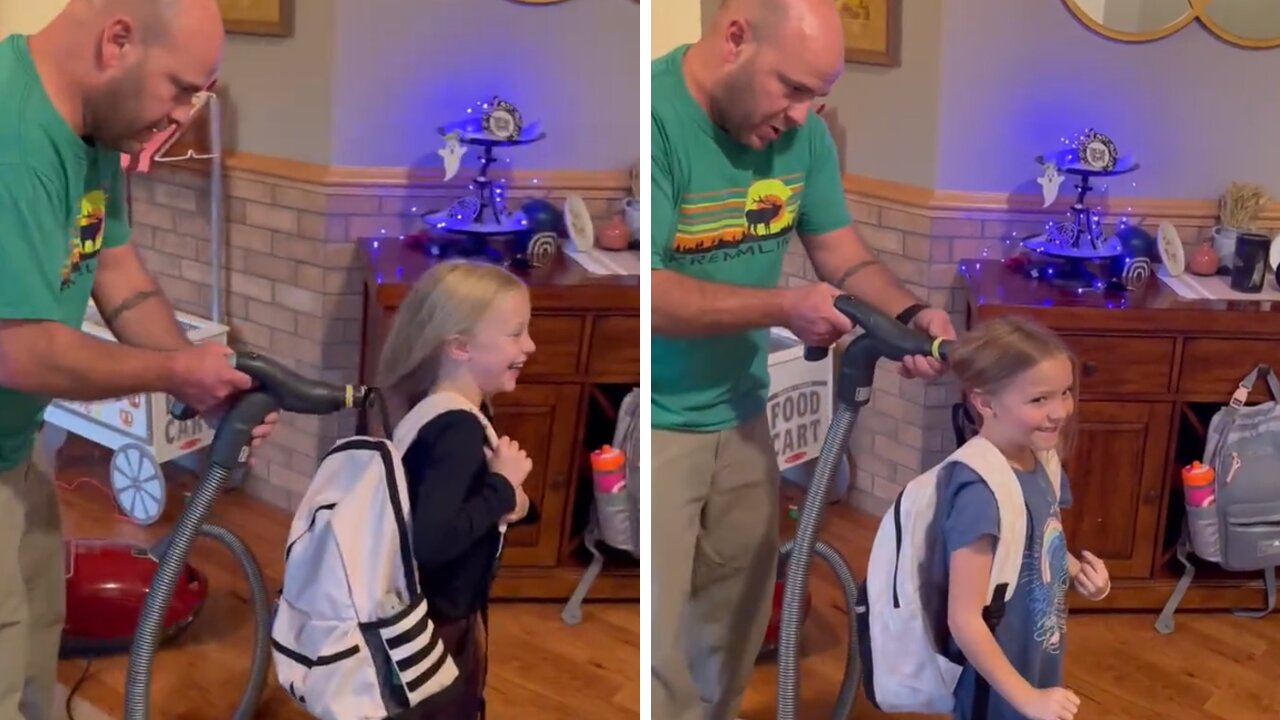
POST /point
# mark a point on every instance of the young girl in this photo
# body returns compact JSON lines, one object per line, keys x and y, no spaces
{"x":463,"y":330}
{"x":1019,"y":378}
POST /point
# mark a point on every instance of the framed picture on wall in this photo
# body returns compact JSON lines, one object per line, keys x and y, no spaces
{"x":872,"y":31}
{"x":258,"y":17}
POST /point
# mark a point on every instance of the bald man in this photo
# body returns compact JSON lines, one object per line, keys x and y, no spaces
{"x":95,"y":83}
{"x":740,"y":162}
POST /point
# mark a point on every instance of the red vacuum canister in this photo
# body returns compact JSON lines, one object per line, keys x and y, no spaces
{"x":107,"y":583}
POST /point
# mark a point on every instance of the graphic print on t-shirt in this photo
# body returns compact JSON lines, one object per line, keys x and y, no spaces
{"x":86,"y":239}
{"x":1048,"y":584}
{"x":724,"y":225}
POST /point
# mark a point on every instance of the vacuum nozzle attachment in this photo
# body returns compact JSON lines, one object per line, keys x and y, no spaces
{"x":291,"y":391}
{"x":893,"y":339}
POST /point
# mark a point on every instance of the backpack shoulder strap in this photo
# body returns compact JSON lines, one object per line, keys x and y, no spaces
{"x":431,"y":406}
{"x":1053,"y":468}
{"x":628,"y":417}
{"x":986,"y":460}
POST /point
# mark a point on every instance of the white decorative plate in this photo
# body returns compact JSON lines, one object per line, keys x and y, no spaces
{"x":1172,"y":253}
{"x":577,"y":222}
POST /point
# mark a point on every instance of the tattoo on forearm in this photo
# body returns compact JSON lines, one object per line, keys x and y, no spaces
{"x":129,"y":303}
{"x":854,"y":270}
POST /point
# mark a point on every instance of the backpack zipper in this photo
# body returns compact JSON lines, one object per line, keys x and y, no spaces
{"x":1235,"y":465}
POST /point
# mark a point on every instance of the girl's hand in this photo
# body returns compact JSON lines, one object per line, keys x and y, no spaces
{"x":522,"y":508}
{"x":1092,"y":581}
{"x":936,"y":323}
{"x":1050,"y":704}
{"x":509,"y":461}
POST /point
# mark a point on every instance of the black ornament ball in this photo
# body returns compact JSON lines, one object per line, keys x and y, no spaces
{"x":543,"y":216}
{"x":1138,"y":243}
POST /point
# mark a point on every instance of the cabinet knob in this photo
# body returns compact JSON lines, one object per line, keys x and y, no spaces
{"x":1089,"y":368}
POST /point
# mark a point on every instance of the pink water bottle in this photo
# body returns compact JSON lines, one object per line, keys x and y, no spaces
{"x":608,"y":469}
{"x":1197,"y":484}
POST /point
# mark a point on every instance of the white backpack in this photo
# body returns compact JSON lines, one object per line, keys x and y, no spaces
{"x":351,"y":638}
{"x":904,"y":671}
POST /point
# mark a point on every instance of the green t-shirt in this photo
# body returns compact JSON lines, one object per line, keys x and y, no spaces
{"x":61,"y":202}
{"x":724,"y":213}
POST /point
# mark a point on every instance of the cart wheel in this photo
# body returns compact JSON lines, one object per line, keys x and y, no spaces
{"x":138,"y":485}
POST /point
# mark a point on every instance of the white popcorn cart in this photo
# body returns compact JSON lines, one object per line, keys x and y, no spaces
{"x":138,"y":428}
{"x":801,"y":396}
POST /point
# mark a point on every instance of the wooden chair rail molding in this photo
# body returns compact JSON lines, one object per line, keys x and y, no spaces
{"x":933,"y":202}
{"x":353,"y":179}
{"x":957,"y":203}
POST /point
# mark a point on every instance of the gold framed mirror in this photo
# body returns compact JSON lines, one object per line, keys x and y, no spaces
{"x":1246,"y":23}
{"x":1251,"y":24}
{"x":1133,"y":20}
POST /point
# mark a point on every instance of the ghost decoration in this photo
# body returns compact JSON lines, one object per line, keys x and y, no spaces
{"x":1049,"y":181}
{"x":452,"y":153}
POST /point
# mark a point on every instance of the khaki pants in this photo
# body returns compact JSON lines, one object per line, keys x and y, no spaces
{"x":32,"y":591}
{"x":715,"y":557}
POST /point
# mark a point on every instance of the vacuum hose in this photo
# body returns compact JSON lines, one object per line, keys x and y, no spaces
{"x":276,"y":388}
{"x":882,"y":337}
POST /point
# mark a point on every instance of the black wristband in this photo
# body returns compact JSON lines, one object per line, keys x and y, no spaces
{"x":906,"y":316}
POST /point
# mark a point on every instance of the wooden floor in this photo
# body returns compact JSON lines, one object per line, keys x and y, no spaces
{"x":540,"y":668}
{"x":1213,"y":667}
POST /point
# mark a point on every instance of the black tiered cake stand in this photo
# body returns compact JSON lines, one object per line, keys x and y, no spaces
{"x":1078,"y":242}
{"x":483,"y":214}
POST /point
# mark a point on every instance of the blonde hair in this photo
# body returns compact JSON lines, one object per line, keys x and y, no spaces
{"x":988,"y":358}
{"x":449,"y":299}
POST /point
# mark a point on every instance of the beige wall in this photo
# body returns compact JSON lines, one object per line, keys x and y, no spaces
{"x":364,"y":84}
{"x":676,"y":22}
{"x":1189,"y":106}
{"x":890,"y":115}
{"x":27,"y":16}
{"x":280,"y":90}
{"x":407,"y":67}
{"x":984,"y":88}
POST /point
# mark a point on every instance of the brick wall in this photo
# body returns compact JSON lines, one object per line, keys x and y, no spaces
{"x":291,"y":284}
{"x":907,"y":426}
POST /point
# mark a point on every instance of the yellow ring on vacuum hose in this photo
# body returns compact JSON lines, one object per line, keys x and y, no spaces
{"x":937,"y":343}
{"x":350,"y":395}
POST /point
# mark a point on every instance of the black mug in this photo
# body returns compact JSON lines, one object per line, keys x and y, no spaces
{"x":1249,"y":268}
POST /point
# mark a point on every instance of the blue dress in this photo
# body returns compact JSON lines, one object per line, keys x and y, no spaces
{"x":1032,"y":632}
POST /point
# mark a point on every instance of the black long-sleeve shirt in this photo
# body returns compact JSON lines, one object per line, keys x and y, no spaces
{"x":457,"y":503}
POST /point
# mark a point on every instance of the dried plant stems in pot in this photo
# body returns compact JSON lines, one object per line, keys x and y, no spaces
{"x":1241,"y":205}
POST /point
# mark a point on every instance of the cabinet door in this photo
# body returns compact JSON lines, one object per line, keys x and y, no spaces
{"x":1116,"y":471}
{"x":543,"y":420}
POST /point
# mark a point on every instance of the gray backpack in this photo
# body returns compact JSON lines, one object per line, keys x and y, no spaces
{"x":1240,"y":529}
{"x":615,"y":517}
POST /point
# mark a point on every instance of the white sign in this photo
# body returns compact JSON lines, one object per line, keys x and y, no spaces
{"x":799,"y":400}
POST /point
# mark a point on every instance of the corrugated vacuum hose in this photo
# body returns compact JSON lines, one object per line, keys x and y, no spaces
{"x":797,"y":553}
{"x":173,"y":552}
{"x":276,"y":388}
{"x":882,"y":337}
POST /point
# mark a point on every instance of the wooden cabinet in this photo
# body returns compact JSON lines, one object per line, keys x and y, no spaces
{"x":1116,"y":471}
{"x":1153,"y":369}
{"x":587,"y":332}
{"x":1122,"y":364}
{"x":1213,"y":367}
{"x":540,"y":417}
